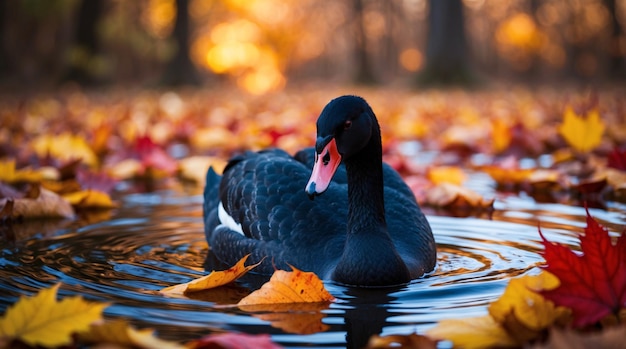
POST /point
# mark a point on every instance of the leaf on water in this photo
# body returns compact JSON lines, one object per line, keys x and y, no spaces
{"x":9,"y":174}
{"x":46,"y":205}
{"x":582,"y":133}
{"x":214,"y":279}
{"x":290,"y":287}
{"x":42,"y":320}
{"x":452,"y":196}
{"x":477,"y":332}
{"x":121,"y":334}
{"x":234,"y":341}
{"x":592,"y":284}
{"x":528,"y":307}
{"x":411,"y":341}
{"x":88,"y":199}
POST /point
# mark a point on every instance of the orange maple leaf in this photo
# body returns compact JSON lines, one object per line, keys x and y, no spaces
{"x":290,"y":287}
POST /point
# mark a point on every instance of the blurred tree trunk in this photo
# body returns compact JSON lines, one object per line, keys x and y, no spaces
{"x":84,"y":67}
{"x":180,"y":70}
{"x":3,"y":32}
{"x":617,"y":58}
{"x":446,"y":47}
{"x":364,"y":73}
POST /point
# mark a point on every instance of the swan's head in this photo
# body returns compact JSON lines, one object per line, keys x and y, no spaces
{"x":343,"y":128}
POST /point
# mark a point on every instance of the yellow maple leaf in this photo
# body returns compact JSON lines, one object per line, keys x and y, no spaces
{"x":90,"y":199}
{"x":120,"y":333}
{"x":289,"y":287}
{"x":41,"y":320}
{"x":446,"y":174}
{"x":65,"y":147}
{"x":521,"y":298}
{"x":476,"y":332}
{"x":582,"y":133}
{"x":9,"y":174}
{"x":214,"y":279}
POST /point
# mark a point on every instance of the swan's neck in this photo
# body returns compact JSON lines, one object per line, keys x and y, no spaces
{"x":369,"y":257}
{"x":366,"y":206}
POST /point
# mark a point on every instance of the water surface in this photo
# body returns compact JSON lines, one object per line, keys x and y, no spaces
{"x":154,"y":240}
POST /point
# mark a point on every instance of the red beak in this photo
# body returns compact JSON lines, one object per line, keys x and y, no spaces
{"x":326,"y":163}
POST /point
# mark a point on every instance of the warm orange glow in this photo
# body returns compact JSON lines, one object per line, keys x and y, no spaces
{"x":158,"y":17}
{"x":411,"y":59}
{"x":520,"y":31}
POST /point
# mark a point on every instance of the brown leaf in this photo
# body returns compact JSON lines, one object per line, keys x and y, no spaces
{"x":610,"y":338}
{"x":46,"y":205}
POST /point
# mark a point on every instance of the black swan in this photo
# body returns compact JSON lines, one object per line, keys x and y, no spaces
{"x":363,"y":228}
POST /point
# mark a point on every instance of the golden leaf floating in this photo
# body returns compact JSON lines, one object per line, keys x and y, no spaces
{"x":87,"y":199}
{"x":289,"y":287}
{"x":41,"y":320}
{"x":214,"y":279}
{"x":469,"y":333}
{"x":121,"y":334}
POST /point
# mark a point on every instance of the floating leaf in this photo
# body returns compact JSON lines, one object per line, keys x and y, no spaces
{"x":41,"y":320}
{"x":582,"y":133}
{"x":121,"y":334}
{"x":446,"y":174}
{"x":452,"y":196}
{"x":46,"y":205}
{"x":477,"y":332}
{"x":592,"y":284}
{"x":289,"y":287}
{"x":87,"y":199}
{"x":214,"y":279}
{"x":522,"y":301}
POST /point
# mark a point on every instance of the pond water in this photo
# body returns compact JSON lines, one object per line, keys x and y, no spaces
{"x":156,"y":239}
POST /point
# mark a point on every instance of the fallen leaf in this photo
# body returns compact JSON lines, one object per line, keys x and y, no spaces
{"x":617,"y":159}
{"x":9,"y":174}
{"x":609,"y":338}
{"x":195,"y":167}
{"x":289,"y":287}
{"x":592,"y":284}
{"x":582,"y":133}
{"x":90,"y":199}
{"x":120,"y":333}
{"x":214,"y":279}
{"x":65,"y":147}
{"x":477,"y":332}
{"x":446,"y":174}
{"x":452,"y":196}
{"x":522,"y":300}
{"x":46,"y":205}
{"x":234,"y":341}
{"x":411,"y":341}
{"x":42,"y":320}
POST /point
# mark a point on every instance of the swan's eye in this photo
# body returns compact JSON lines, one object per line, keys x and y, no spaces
{"x":347,"y":124}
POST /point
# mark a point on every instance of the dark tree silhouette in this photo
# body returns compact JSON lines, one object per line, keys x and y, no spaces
{"x":87,"y":42}
{"x":617,"y":61}
{"x":363,"y":73}
{"x":180,"y":70}
{"x":446,"y":47}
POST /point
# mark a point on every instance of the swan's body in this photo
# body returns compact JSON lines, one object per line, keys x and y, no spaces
{"x":364,"y":228}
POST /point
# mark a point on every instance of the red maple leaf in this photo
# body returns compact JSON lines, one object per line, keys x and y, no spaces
{"x":593,"y":284}
{"x":617,"y":158}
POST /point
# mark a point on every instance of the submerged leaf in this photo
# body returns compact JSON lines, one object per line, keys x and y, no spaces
{"x":290,"y":287}
{"x":41,"y":320}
